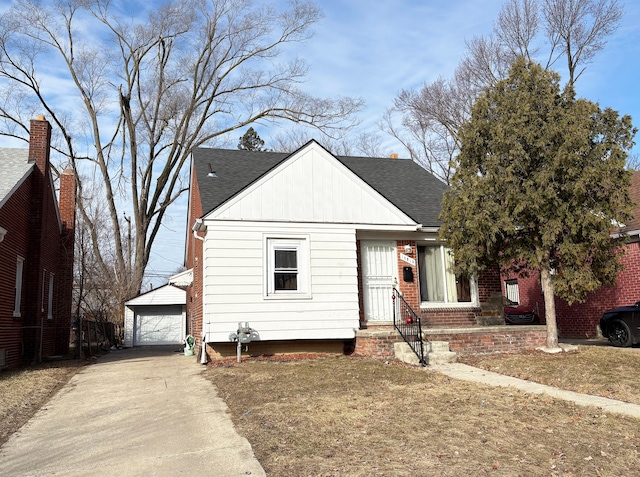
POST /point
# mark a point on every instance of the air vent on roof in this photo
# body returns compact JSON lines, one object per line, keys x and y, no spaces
{"x":211,"y":173}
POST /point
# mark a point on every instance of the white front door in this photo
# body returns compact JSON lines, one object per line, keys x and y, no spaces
{"x":379,"y":273}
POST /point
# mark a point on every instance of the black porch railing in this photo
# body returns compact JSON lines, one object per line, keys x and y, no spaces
{"x":408,"y":324}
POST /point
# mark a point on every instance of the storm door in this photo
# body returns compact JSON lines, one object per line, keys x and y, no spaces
{"x":379,"y":272}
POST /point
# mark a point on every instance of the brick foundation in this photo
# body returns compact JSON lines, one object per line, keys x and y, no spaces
{"x":464,"y":341}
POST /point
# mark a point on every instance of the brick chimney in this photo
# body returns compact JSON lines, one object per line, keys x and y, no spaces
{"x":39,"y":143}
{"x":67,"y":207}
{"x":68,"y":199}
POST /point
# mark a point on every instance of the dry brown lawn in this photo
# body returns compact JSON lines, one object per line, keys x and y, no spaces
{"x":24,"y":391}
{"x":347,"y":416}
{"x":601,"y":370}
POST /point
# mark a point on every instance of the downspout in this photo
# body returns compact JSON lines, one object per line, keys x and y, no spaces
{"x":198,"y":226}
{"x":41,"y":318}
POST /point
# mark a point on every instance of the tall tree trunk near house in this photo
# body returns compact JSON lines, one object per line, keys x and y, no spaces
{"x":549,"y":306}
{"x":143,"y":92}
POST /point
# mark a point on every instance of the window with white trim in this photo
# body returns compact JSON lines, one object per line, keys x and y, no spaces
{"x":512,"y":291}
{"x":287,"y":270}
{"x":438,"y":282}
{"x":17,"y":300}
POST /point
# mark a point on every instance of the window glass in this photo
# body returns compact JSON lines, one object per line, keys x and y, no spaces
{"x":286,"y":281}
{"x":17,"y":300}
{"x":50,"y":300}
{"x":286,"y":259}
{"x":438,"y":282}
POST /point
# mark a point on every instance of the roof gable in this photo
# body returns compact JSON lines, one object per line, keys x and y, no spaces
{"x":311,"y":186}
{"x":319,"y":186}
{"x":165,"y":295}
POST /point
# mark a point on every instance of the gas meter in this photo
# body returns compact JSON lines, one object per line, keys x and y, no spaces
{"x":242,"y":336}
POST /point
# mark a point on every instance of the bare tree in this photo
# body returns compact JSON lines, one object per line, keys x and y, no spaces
{"x":633,"y":161}
{"x":364,"y":144}
{"x":130,"y":97}
{"x":432,"y":115}
{"x":578,"y":29}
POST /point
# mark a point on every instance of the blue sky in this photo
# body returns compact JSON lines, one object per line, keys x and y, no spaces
{"x":374,"y":50}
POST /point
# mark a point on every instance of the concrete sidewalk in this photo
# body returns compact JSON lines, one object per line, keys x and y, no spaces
{"x":469,"y":373}
{"x":136,"y":412}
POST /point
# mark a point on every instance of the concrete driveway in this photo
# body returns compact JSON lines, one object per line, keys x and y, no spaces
{"x":145,"y":411}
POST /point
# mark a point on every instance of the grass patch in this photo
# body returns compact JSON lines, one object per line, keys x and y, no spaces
{"x":599,"y":370}
{"x":346,"y":416}
{"x":24,"y":391}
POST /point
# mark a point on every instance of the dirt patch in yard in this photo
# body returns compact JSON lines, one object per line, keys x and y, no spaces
{"x":24,"y":391}
{"x":348,"y":416}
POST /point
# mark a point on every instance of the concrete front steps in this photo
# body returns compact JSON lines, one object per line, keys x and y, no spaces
{"x":435,"y":352}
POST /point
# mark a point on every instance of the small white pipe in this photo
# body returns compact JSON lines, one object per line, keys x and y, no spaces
{"x":203,"y":350}
{"x":195,"y":234}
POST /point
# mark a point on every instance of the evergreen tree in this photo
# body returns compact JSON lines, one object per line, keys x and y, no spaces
{"x":250,"y":141}
{"x":540,"y":184}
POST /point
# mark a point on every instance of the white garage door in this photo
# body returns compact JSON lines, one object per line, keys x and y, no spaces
{"x":158,"y":325}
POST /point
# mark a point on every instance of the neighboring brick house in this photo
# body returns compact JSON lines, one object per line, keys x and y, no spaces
{"x":36,"y":252}
{"x":581,"y":320}
{"x":308,"y":246}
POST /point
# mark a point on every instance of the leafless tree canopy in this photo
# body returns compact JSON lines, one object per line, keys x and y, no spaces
{"x":364,"y":144}
{"x":130,"y":94}
{"x":544,"y":31}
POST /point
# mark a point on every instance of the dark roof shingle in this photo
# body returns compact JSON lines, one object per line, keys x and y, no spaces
{"x":401,"y":181}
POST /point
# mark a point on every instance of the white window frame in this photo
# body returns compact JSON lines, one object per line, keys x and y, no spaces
{"x":17,"y":300}
{"x":50,"y":300}
{"x":473,"y":285}
{"x":512,"y":290}
{"x":301,"y":245}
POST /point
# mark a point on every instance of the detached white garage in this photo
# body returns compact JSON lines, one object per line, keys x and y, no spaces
{"x":156,"y":318}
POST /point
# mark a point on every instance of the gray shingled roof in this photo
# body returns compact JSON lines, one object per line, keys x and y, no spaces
{"x":402,"y":182}
{"x":14,"y":164}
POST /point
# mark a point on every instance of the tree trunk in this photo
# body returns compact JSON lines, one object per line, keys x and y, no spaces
{"x":549,"y":306}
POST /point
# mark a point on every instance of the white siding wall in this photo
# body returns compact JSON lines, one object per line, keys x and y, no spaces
{"x":128,"y":326}
{"x":234,"y":283}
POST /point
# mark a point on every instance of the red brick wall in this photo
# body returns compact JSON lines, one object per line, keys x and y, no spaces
{"x":194,"y":258}
{"x":450,"y":317}
{"x":14,"y":216}
{"x":489,"y":282}
{"x":485,"y":341}
{"x":410,"y":290}
{"x":35,"y":234}
{"x":379,"y":344}
{"x":64,"y":281}
{"x":581,"y":320}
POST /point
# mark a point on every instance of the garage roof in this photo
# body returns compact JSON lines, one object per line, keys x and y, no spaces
{"x":165,"y":295}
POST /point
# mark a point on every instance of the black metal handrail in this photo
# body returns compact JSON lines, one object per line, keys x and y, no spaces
{"x":408,"y":324}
